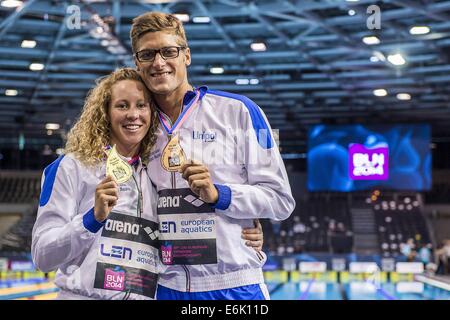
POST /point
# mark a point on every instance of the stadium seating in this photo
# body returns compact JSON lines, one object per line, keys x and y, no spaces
{"x":19,"y":189}
{"x":18,"y":237}
{"x":323,"y":223}
{"x":439,"y":193}
{"x":314,"y":226}
{"x":400,"y":220}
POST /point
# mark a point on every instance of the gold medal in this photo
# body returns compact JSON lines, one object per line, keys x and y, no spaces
{"x":173,"y":157}
{"x":118,"y":168}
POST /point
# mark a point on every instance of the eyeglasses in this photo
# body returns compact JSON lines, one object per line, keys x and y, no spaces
{"x":148,"y":55}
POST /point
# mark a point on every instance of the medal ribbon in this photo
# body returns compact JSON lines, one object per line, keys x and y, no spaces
{"x":183,"y":116}
{"x":132,"y":161}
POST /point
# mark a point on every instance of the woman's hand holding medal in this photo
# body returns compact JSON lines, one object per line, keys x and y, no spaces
{"x":107,"y":191}
{"x":106,"y":195}
{"x":199,"y":179}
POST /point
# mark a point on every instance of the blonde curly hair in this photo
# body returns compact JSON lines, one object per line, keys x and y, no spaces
{"x":92,"y":131}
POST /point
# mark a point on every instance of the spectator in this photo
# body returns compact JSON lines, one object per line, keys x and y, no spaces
{"x":425,"y":254}
{"x":276,"y":227}
{"x":340,"y":228}
{"x":447,"y":255}
{"x":440,"y":259}
{"x":331,"y":227}
{"x":299,"y":228}
{"x":408,"y":250}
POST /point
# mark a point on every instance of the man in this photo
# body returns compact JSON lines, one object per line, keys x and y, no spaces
{"x":216,"y":168}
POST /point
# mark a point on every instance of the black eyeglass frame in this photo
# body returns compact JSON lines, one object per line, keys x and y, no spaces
{"x":156,"y":51}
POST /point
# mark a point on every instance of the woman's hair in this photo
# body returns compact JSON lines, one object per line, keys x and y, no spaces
{"x":92,"y":131}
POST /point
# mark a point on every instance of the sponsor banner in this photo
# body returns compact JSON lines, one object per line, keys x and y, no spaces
{"x":189,"y":252}
{"x":409,"y":267}
{"x":357,"y":287}
{"x":126,"y":227}
{"x":316,"y":266}
{"x":125,"y":279}
{"x":176,"y":201}
{"x":410,"y":287}
{"x":132,"y":254}
{"x":338,"y":264}
{"x":289,"y":264}
{"x":388,"y":264}
{"x":363,"y":267}
{"x":21,"y":265}
{"x":187,"y":226}
{"x":3,"y":264}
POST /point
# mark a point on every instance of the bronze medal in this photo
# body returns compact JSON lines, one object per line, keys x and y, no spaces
{"x":173,"y":157}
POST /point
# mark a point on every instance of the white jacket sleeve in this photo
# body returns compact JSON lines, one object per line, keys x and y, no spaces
{"x":267,"y":194}
{"x":60,"y":235}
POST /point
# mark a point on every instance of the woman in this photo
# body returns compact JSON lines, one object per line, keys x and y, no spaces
{"x":102,"y":235}
{"x":90,"y":228}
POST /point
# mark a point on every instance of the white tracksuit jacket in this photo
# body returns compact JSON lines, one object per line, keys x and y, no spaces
{"x":117,"y":259}
{"x":201,"y":245}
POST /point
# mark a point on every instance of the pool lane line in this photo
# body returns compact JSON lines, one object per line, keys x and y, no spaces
{"x":26,"y":288}
{"x":343,"y":292}
{"x":28,"y":294}
{"x":14,"y":283}
{"x":383,"y":292}
{"x":305,"y":294}
{"x":276,"y":288}
{"x":45,"y":296}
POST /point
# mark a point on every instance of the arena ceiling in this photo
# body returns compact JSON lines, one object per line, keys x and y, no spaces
{"x":323,"y":62}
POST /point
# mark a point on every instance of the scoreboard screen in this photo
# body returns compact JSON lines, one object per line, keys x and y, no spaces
{"x":362,"y":157}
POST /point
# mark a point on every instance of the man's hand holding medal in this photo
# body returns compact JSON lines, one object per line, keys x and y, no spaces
{"x":199,"y":179}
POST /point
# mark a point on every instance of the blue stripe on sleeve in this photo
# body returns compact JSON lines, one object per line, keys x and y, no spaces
{"x":262,"y":131}
{"x":49,"y":180}
{"x":224,"y":200}
{"x":90,"y":223}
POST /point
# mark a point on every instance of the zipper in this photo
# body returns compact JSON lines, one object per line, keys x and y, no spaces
{"x":140,"y":199}
{"x":188,"y":278}
{"x":185,"y":268}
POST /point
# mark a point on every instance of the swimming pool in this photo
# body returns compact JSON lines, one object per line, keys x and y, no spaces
{"x":297,"y":287}
{"x":356,"y":290}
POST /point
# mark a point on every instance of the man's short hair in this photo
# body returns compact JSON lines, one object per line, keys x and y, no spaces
{"x":156,"y":21}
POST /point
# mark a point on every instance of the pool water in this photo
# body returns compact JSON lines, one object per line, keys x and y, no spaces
{"x":355,"y":290}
